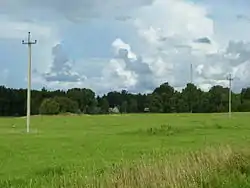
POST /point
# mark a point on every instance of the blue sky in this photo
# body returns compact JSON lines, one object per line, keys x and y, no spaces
{"x":134,"y":45}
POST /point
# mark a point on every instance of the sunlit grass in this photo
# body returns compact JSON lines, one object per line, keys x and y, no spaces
{"x":124,"y":150}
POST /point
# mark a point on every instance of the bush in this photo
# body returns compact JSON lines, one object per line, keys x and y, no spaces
{"x":66,"y":105}
{"x":244,"y":107}
{"x":49,"y":107}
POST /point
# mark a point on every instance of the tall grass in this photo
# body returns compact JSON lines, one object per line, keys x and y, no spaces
{"x":210,"y":168}
{"x":221,"y":167}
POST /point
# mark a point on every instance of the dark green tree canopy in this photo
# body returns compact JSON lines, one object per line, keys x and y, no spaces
{"x":49,"y":107}
{"x":163,"y":99}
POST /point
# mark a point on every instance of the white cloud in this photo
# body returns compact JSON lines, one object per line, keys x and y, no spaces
{"x":118,"y":44}
{"x":61,"y":68}
{"x":173,"y":18}
{"x":45,"y":34}
{"x":168,"y":36}
{"x":166,"y":41}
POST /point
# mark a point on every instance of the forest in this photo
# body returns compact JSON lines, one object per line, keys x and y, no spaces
{"x":163,"y":99}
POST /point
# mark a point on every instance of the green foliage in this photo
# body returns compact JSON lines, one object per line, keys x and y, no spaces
{"x":66,"y":105}
{"x":156,"y":104}
{"x":104,"y":105}
{"x":245,"y":106}
{"x":163,"y":99}
{"x":49,"y":107}
{"x":93,"y":110}
{"x":124,"y":107}
{"x":84,"y":97}
{"x":132,"y":106}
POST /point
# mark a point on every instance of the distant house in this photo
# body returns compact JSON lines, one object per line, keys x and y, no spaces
{"x":114,"y":110}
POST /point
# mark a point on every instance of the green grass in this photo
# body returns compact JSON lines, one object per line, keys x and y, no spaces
{"x":72,"y":150}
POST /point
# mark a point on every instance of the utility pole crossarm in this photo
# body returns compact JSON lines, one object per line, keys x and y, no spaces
{"x":29,"y":43}
{"x":29,"y":40}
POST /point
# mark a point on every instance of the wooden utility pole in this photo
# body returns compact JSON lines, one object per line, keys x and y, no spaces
{"x":29,"y":43}
{"x":230,"y":79}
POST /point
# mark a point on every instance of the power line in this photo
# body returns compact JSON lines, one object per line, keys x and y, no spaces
{"x":230,"y":79}
{"x":29,"y":43}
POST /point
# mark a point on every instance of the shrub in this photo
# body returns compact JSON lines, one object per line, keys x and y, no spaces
{"x":66,"y":105}
{"x":49,"y":107}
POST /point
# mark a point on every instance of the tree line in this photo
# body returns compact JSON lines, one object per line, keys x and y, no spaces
{"x":163,"y":99}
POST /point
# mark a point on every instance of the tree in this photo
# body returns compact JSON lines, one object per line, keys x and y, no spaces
{"x":84,"y":97}
{"x":244,"y":107}
{"x":163,"y":99}
{"x":156,"y":104}
{"x":114,"y":98}
{"x":104,"y":104}
{"x":245,"y":94}
{"x":165,"y":93}
{"x":124,"y":107}
{"x":92,"y":107}
{"x":218,"y":98}
{"x":132,"y":106}
{"x":66,"y":105}
{"x":49,"y":107}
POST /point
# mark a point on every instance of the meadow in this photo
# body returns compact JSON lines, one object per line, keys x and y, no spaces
{"x":132,"y":150}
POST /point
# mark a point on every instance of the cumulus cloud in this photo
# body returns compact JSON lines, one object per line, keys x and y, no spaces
{"x":168,"y":22}
{"x":168,"y":42}
{"x":16,"y":30}
{"x":61,"y":68}
{"x":174,"y":34}
{"x":165,"y":45}
{"x":141,"y":75}
{"x":165,"y":37}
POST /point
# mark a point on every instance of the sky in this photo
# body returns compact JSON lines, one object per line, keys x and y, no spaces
{"x":120,"y":44}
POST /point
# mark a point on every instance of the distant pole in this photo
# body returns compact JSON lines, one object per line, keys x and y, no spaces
{"x":230,"y":79}
{"x":191,"y":73}
{"x":29,"y":43}
{"x":191,"y":81}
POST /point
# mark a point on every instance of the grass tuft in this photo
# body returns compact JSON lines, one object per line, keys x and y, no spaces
{"x":212,"y":167}
{"x":199,"y":169}
{"x":51,"y":171}
{"x":162,"y":130}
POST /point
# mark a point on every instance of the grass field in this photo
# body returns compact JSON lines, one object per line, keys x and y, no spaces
{"x":125,"y":150}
